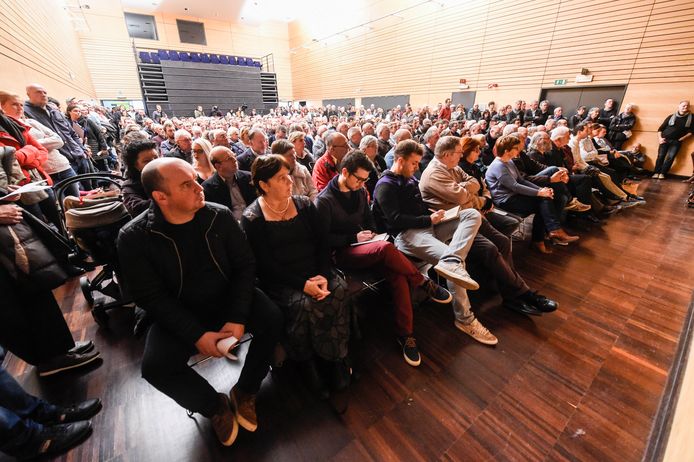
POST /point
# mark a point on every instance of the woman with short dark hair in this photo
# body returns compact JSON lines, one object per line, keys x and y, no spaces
{"x":135,"y":157}
{"x":294,"y":268}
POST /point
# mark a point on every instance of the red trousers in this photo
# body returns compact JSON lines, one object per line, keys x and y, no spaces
{"x":400,"y":273}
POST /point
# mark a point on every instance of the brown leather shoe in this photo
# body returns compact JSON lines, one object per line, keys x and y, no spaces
{"x":540,"y":247}
{"x":244,"y":404}
{"x":561,"y":236}
{"x":224,"y":422}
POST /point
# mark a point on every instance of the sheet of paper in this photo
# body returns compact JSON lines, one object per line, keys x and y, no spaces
{"x":451,"y":214}
{"x":27,"y":188}
{"x":376,"y":238}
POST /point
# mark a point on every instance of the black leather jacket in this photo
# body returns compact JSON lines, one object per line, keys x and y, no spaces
{"x":152,"y":270}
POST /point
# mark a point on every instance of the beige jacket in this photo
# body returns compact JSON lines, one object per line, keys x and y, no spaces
{"x":444,"y":188}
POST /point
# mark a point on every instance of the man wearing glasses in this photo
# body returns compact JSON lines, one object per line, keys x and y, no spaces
{"x":228,"y":186}
{"x":343,"y":206}
{"x":326,"y":167}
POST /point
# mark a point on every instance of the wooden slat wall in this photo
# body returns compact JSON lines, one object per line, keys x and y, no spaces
{"x":232,"y":39}
{"x":108,"y":52}
{"x":38,"y":44}
{"x":522,"y":46}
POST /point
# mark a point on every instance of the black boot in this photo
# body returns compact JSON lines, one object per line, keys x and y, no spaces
{"x":340,"y":378}
{"x":313,"y":379}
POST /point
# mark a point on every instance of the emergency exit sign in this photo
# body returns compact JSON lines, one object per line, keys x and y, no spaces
{"x":560,"y":82}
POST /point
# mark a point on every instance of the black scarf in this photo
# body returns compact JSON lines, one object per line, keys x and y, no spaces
{"x":13,"y":128}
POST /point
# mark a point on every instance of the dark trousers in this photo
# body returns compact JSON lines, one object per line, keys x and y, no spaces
{"x":491,"y":253}
{"x":580,"y":187}
{"x":505,"y":224}
{"x":165,"y":361}
{"x":81,"y":166}
{"x":666,"y":156}
{"x":400,"y":272}
{"x":73,"y":189}
{"x":31,"y":323}
{"x":546,"y":217}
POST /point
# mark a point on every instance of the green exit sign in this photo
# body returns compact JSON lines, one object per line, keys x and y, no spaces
{"x":560,"y":82}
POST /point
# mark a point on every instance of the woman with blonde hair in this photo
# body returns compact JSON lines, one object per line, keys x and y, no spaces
{"x":201,"y":159}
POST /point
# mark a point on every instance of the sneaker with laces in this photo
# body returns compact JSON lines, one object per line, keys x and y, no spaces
{"x":224,"y":422}
{"x":244,"y":404}
{"x":409,"y":350}
{"x":477,"y":331}
{"x":455,"y":271}
{"x":435,"y":292}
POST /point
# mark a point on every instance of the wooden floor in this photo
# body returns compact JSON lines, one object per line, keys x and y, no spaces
{"x":583,"y":383}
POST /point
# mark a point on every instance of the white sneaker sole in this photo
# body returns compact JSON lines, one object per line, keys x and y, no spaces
{"x":468,"y":284}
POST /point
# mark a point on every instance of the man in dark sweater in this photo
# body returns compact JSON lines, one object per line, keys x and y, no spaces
{"x":188,"y":264}
{"x":345,"y":214}
{"x":675,"y":128}
{"x":399,"y":209}
{"x":258,"y":148}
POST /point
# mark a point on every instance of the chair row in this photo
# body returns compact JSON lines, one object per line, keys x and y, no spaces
{"x":170,"y":55}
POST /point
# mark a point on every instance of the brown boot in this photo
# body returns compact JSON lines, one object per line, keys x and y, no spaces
{"x":244,"y":404}
{"x":561,"y":237}
{"x":540,"y":247}
{"x":224,"y":422}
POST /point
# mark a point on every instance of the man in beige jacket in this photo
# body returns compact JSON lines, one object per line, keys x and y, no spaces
{"x":445,"y":185}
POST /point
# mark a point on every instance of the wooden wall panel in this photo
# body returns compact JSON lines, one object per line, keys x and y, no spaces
{"x":523,"y":46}
{"x":109,"y":53}
{"x":39,"y":44}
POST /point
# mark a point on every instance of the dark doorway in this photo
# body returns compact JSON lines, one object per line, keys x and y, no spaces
{"x":466,"y":98}
{"x":570,"y":98}
{"x":339,"y":102}
{"x":385,"y":102}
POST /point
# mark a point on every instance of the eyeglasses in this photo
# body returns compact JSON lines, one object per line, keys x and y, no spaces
{"x":359,"y":179}
{"x":341,"y":146}
{"x":198,"y":151}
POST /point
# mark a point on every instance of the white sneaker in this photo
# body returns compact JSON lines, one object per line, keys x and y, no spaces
{"x":661,"y":176}
{"x":455,"y":272}
{"x":477,"y":331}
{"x":656,"y":176}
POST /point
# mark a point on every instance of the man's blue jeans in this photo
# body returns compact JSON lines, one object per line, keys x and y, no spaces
{"x":17,"y":407}
{"x":666,"y":156}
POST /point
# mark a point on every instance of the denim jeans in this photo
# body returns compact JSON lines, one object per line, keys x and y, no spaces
{"x":73,"y":189}
{"x":17,"y":407}
{"x":546,"y":217}
{"x":429,"y":244}
{"x":666,"y":156}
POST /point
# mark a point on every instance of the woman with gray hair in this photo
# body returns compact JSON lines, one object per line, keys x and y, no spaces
{"x":369,"y":146}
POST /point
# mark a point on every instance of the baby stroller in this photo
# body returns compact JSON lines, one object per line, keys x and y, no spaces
{"x":92,"y":221}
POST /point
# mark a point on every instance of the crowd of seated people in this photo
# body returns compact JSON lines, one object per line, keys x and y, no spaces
{"x":245,"y":223}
